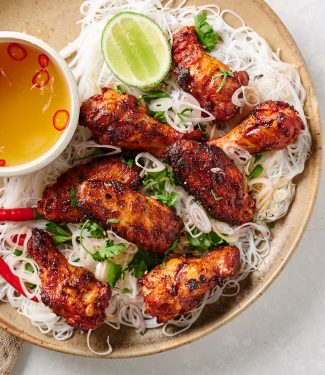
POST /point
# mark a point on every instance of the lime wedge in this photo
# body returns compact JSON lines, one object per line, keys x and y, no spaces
{"x":136,"y":50}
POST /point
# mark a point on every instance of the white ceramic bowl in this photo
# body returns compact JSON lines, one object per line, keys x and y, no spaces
{"x":63,"y":141}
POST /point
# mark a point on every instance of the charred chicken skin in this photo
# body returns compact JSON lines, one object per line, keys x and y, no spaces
{"x":117,"y":119}
{"x":211,"y":82}
{"x":271,"y":126}
{"x":56,"y":202}
{"x":181,"y":285}
{"x":213,"y":179}
{"x":71,"y":292}
{"x":137,"y":218}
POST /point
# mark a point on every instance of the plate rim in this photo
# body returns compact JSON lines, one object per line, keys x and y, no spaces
{"x":191,"y":336}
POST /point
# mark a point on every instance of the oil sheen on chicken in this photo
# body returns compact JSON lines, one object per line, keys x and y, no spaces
{"x":181,"y":284}
{"x":208,"y":174}
{"x":271,"y":126}
{"x":137,"y":218}
{"x":71,"y":292}
{"x":117,"y":119}
{"x":56,"y":202}
{"x":210,"y":81}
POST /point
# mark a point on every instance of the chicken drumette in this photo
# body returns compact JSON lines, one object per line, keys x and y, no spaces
{"x":71,"y":292}
{"x":211,"y":82}
{"x":56,"y":202}
{"x":180,"y":285}
{"x":137,"y":218}
{"x":117,"y":119}
{"x":271,"y":126}
{"x":208,"y":174}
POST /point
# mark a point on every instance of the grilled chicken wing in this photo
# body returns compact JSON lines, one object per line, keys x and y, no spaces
{"x":211,"y":82}
{"x":271,"y":126}
{"x":140,"y":219}
{"x":56,"y":202}
{"x":71,"y":292}
{"x":213,"y":179}
{"x":181,"y":285}
{"x":117,"y":119}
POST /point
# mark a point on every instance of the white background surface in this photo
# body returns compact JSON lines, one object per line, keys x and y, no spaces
{"x":284,"y":331}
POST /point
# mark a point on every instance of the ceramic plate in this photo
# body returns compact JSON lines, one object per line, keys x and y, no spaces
{"x":55,"y":22}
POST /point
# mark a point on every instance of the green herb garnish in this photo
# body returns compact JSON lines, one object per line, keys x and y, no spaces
{"x":94,"y":230}
{"x":258,"y":157}
{"x":108,"y":250}
{"x":155,"y":94}
{"x":60,"y":233}
{"x":112,"y":221}
{"x":257,"y":171}
{"x":183,"y":115}
{"x":144,"y":261}
{"x":169,"y":199}
{"x":114,"y":273}
{"x":160,"y":116}
{"x":225,"y":74}
{"x":205,"y":242}
{"x":204,"y":132}
{"x":205,"y":33}
{"x":73,"y":198}
{"x":215,"y":196}
{"x":17,"y":253}
{"x":129,"y":162}
{"x":120,"y":89}
{"x":125,"y":290}
{"x":29,"y":267}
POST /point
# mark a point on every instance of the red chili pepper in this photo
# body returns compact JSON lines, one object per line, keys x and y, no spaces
{"x":2,"y":163}
{"x":61,"y":119}
{"x":16,"y":51}
{"x":41,"y":78}
{"x":17,"y":214}
{"x":19,"y":240}
{"x":12,"y":279}
{"x":43,"y":60}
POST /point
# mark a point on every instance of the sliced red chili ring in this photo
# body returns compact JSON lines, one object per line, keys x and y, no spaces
{"x":41,"y":78}
{"x":2,"y":163}
{"x":61,"y":119}
{"x":43,"y":60}
{"x":16,"y":51}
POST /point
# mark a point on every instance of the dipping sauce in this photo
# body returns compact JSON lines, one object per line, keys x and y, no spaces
{"x":34,"y":104}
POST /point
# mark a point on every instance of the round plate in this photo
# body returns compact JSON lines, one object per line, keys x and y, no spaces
{"x":56,"y":24}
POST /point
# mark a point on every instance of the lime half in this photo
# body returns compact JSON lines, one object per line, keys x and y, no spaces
{"x":136,"y":50}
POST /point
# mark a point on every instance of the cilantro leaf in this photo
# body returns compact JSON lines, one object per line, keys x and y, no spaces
{"x":60,"y":233}
{"x":205,"y":33}
{"x":112,"y":221}
{"x":225,"y":74}
{"x":29,"y":267}
{"x":17,"y":253}
{"x":129,"y":162}
{"x":108,"y":250}
{"x":205,"y":242}
{"x":155,"y":94}
{"x":94,"y":230}
{"x":160,"y":116}
{"x":125,"y":290}
{"x":73,"y":198}
{"x":114,"y":273}
{"x":144,"y":261}
{"x":169,"y":199}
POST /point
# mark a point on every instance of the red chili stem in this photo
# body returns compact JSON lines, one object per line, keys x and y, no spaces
{"x":17,"y":214}
{"x":12,"y":279}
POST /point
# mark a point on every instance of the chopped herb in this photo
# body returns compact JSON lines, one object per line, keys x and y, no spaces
{"x":157,"y":177}
{"x":183,"y":115}
{"x":160,"y":116}
{"x":129,"y":162}
{"x":258,"y":157}
{"x":30,"y":286}
{"x":95,"y":230}
{"x":125,"y":290}
{"x":155,"y":94}
{"x":60,"y":233}
{"x":73,"y":198}
{"x":144,"y":261}
{"x":205,"y":33}
{"x":37,"y":216}
{"x":17,"y":253}
{"x":203,"y":129}
{"x":120,"y":89}
{"x":112,"y":221}
{"x":215,"y":196}
{"x":114,"y":273}
{"x":29,"y":267}
{"x":107,"y":251}
{"x":205,"y":242}
{"x":76,"y":260}
{"x":225,"y":74}
{"x":257,"y":171}
{"x":168,"y":251}
{"x":129,"y":120}
{"x":169,"y":199}
{"x":107,"y":184}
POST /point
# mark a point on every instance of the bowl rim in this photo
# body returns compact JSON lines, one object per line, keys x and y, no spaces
{"x":265,"y":283}
{"x":66,"y":136}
